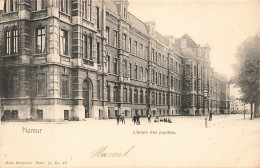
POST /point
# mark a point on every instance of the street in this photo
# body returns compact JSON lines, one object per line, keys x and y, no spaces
{"x":229,"y":141}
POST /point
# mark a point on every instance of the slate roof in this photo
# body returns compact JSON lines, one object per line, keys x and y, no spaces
{"x":137,"y":24}
{"x":110,"y":5}
{"x":161,"y":38}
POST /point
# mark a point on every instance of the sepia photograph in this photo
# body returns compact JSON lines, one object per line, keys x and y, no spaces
{"x":129,"y":83}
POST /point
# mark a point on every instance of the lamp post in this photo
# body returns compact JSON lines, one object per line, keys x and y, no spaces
{"x":244,"y":111}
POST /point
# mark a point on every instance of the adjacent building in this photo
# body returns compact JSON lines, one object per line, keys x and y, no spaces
{"x":76,"y":59}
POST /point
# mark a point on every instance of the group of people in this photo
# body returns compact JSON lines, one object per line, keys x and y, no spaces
{"x":136,"y":119}
{"x":157,"y":119}
{"x":120,"y":118}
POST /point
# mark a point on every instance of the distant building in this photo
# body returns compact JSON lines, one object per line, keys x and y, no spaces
{"x":70,"y":60}
{"x":238,"y":106}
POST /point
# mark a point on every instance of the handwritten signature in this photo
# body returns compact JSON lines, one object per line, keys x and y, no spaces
{"x":103,"y":152}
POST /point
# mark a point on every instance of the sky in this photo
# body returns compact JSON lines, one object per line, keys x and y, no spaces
{"x":224,"y":25}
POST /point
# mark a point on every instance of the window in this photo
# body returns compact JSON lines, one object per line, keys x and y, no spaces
{"x":125,"y":13}
{"x":108,"y":63}
{"x":130,"y":95}
{"x":87,"y":9}
{"x":64,"y":86}
{"x":39,"y":4}
{"x":89,"y":42}
{"x":135,"y":52}
{"x":141,"y":51}
{"x":136,"y":96}
{"x":11,"y":43}
{"x":98,"y":89}
{"x":108,"y":93}
{"x":125,"y":95}
{"x":15,"y":85}
{"x":98,"y":52}
{"x":163,"y":80}
{"x":40,"y":42}
{"x":146,"y":75}
{"x":115,"y":65}
{"x":172,"y":82}
{"x":116,"y":94}
{"x":14,"y":114}
{"x":98,"y":19}
{"x":115,"y":38}
{"x":156,"y":78}
{"x":160,"y":98}
{"x":130,"y":45}
{"x":141,"y":73}
{"x":160,"y":79}
{"x":40,"y":85}
{"x":153,"y":97}
{"x":87,"y":47}
{"x":66,"y":114}
{"x":152,"y":55}
{"x":141,"y":96}
{"x":107,"y":34}
{"x":8,"y":42}
{"x":163,"y":99}
{"x":63,"y":42}
{"x":136,"y":67}
{"x":125,"y":68}
{"x":183,"y":43}
{"x":130,"y":69}
{"x":146,"y":53}
{"x":124,"y":42}
{"x":39,"y":114}
{"x":10,"y":6}
{"x":64,"y":6}
{"x":187,"y":70}
{"x":152,"y":76}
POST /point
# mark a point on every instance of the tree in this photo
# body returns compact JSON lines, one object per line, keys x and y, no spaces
{"x":247,"y":71}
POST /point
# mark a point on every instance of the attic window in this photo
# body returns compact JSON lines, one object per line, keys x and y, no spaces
{"x":183,"y":43}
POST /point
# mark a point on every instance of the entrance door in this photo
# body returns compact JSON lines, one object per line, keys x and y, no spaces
{"x":87,"y":97}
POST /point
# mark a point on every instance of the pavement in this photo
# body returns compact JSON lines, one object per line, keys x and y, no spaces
{"x":228,"y":141}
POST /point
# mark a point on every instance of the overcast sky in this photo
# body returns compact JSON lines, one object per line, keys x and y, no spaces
{"x":221,"y":24}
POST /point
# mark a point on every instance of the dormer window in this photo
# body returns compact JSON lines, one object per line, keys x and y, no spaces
{"x":183,"y":43}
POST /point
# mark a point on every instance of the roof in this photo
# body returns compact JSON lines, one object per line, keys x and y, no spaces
{"x":110,"y":5}
{"x":161,"y":38}
{"x":138,"y":24}
{"x":189,"y":38}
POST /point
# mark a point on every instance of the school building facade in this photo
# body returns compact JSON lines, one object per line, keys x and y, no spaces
{"x":77,"y":59}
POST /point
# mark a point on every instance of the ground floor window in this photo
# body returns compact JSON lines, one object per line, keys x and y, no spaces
{"x":15,"y":114}
{"x":39,"y":114}
{"x":66,"y":114}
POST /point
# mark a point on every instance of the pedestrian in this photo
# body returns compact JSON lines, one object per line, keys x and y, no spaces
{"x":138,"y":119}
{"x":117,"y":118}
{"x":149,"y":117}
{"x":123,"y":118}
{"x":210,"y":116}
{"x":134,"y":119}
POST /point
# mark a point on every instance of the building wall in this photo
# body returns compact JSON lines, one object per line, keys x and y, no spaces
{"x":97,"y":75}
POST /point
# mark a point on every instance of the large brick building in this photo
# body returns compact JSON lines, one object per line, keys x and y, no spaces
{"x":70,"y":60}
